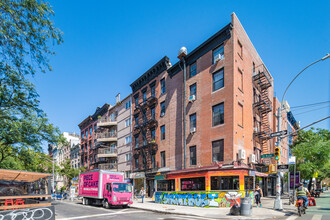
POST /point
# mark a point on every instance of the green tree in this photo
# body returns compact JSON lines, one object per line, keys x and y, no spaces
{"x":312,"y":150}
{"x":69,"y":172}
{"x":27,"y":36}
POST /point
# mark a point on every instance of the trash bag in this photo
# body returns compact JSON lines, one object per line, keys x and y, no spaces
{"x":235,"y":210}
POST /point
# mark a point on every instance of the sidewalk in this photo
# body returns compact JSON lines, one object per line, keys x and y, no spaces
{"x":266,"y":212}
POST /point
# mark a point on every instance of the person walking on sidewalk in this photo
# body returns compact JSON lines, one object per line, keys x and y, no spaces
{"x":142,"y":193}
{"x":258,"y":194}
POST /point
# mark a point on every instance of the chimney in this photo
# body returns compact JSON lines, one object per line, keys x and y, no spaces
{"x":118,"y":98}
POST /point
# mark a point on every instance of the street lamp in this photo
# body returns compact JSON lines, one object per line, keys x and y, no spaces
{"x":278,"y":201}
{"x":182,"y":54}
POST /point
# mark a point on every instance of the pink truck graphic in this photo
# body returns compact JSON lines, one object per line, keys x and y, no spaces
{"x":105,"y":187}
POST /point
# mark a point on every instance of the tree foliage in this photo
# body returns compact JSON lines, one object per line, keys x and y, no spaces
{"x":27,"y":36}
{"x":68,"y":171}
{"x":312,"y":150}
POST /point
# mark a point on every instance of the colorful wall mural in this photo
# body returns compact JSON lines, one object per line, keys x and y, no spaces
{"x":219,"y":199}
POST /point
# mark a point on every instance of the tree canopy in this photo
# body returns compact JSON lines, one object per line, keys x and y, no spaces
{"x":312,"y":150}
{"x":27,"y":37}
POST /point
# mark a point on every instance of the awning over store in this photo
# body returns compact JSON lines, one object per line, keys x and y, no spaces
{"x":261,"y":174}
{"x":21,"y":176}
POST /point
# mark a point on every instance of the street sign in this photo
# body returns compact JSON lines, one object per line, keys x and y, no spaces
{"x":267,"y":155}
{"x":283,"y":168}
{"x":279,"y":133}
{"x":292,"y":160}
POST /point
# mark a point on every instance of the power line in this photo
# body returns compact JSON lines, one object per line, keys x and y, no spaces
{"x":319,"y":103}
{"x":311,"y":110}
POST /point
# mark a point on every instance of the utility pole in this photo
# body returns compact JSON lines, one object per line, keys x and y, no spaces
{"x":278,"y":201}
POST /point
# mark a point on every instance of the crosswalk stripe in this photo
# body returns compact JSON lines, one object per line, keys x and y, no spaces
{"x":317,"y":217}
{"x":292,"y":217}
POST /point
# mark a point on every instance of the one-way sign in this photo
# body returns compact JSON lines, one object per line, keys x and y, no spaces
{"x":279,"y":133}
{"x":283,"y":168}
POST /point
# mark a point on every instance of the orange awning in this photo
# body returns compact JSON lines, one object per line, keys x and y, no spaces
{"x":21,"y":176}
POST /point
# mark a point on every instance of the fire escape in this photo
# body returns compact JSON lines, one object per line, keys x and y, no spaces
{"x":262,"y":106}
{"x":149,"y":146}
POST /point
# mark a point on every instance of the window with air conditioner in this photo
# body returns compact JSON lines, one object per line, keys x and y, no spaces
{"x":218,"y":54}
{"x":192,"y":123}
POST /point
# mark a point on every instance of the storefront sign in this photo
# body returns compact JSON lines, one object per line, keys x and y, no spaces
{"x":137,"y":175}
{"x":297,"y":176}
{"x":252,"y":173}
{"x":160,"y":177}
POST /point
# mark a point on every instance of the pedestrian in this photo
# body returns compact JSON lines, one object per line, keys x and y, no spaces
{"x":302,"y":192}
{"x":142,"y":193}
{"x":258,"y":194}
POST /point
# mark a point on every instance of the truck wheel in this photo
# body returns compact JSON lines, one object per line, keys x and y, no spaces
{"x":125,"y":206}
{"x":84,"y":201}
{"x":107,"y":205}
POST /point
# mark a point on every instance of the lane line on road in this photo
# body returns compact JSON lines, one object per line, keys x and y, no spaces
{"x":97,"y":215}
{"x":292,"y":217}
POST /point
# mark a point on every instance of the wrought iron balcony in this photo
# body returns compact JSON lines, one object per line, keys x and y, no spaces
{"x":106,"y":137}
{"x":262,"y":78}
{"x":263,"y":105}
{"x":108,"y":166}
{"x":106,"y":122}
{"x":107,"y":152}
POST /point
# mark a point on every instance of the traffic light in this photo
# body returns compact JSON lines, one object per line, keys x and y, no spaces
{"x":277,"y":153}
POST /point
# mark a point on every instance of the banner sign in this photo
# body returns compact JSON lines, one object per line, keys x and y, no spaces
{"x":297,"y":176}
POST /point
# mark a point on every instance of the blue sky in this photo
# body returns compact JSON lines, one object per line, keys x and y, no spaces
{"x":109,"y":44}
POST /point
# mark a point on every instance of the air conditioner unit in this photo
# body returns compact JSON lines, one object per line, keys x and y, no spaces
{"x":255,"y":129}
{"x":252,"y":158}
{"x":192,"y":130}
{"x":218,"y":57}
{"x":241,"y":154}
{"x":192,"y":98}
{"x":162,"y":114}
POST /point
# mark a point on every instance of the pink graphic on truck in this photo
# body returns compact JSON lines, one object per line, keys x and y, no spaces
{"x":89,"y":184}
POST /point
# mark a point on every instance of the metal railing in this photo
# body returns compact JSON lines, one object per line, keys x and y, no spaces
{"x":106,"y":135}
{"x":108,"y":166}
{"x":107,"y":151}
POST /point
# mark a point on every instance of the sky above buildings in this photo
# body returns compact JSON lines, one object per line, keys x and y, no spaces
{"x":109,"y":44}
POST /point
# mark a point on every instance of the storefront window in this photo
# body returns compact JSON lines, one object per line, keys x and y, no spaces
{"x":193,"y":184}
{"x":224,"y":183}
{"x":165,"y":185}
{"x":248,"y":182}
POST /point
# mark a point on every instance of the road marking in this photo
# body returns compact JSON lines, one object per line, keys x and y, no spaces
{"x":317,"y":217}
{"x":292,"y":217}
{"x":97,"y":215}
{"x":194,"y":217}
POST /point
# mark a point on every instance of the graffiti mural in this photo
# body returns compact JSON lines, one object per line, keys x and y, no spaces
{"x":220,"y":199}
{"x":37,"y":213}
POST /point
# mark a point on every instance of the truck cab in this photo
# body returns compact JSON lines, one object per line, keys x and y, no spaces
{"x":117,"y":193}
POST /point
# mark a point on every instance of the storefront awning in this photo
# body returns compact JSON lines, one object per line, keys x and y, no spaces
{"x":261,"y":174}
{"x":21,"y":176}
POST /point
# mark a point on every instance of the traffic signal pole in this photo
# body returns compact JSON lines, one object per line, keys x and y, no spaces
{"x":278,"y":201}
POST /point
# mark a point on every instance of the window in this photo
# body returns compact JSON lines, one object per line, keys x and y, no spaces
{"x":153,"y":113}
{"x":224,"y":183}
{"x":248,"y":182}
{"x":153,"y":134}
{"x":217,"y":114}
{"x":217,"y":151}
{"x":136,"y":120}
{"x":162,"y":132}
{"x":166,"y":185}
{"x":192,"y":90}
{"x":128,"y":140}
{"x":113,"y":116}
{"x":128,"y":122}
{"x":86,"y":133}
{"x":192,"y":70}
{"x":144,"y":116}
{"x":95,"y":128}
{"x":153,"y":90}
{"x":240,"y":115}
{"x":128,"y":157}
{"x":218,"y":54}
{"x":240,"y":49}
{"x":163,"y":159}
{"x":90,"y":131}
{"x":253,"y":68}
{"x":162,"y":86}
{"x":137,"y":100}
{"x":217,"y":80}
{"x":136,"y":141}
{"x":193,"y":184}
{"x":136,"y":163}
{"x":153,"y":161}
{"x":240,"y":83}
{"x":192,"y":122}
{"x":144,"y":140}
{"x":192,"y":155}
{"x":82,"y":135}
{"x":144,"y":95}
{"x":162,"y":109}
{"x":128,"y":104}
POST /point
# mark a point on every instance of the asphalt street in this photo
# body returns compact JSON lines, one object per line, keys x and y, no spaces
{"x":72,"y":211}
